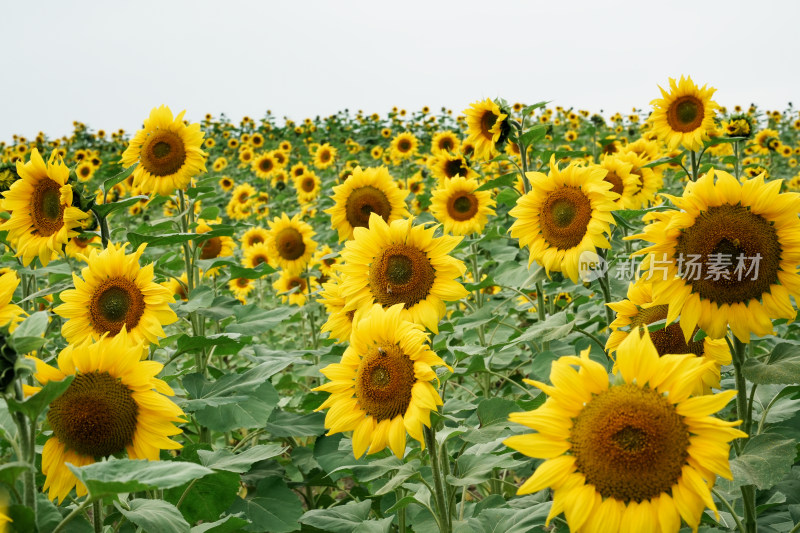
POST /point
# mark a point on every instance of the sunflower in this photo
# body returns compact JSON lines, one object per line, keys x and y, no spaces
{"x":445,"y":141}
{"x":325,"y":156}
{"x":293,"y":281}
{"x":620,"y":454}
{"x":114,"y":404}
{"x":623,"y":182}
{"x":326,"y":259}
{"x":486,"y":126}
{"x":381,"y":389}
{"x":279,"y":179}
{"x":219,"y":246}
{"x":565,"y":214}
{"x":280,"y":158}
{"x":246,"y":156}
{"x":366,"y":191}
{"x":78,"y":248}
{"x":263,"y":165}
{"x":256,"y":255}
{"x":638,"y":311}
{"x":40,"y":202}
{"x":376,"y":152}
{"x":168,"y":152}
{"x":115,"y":294}
{"x":729,"y":257}
{"x":685,"y":115}
{"x":404,"y":146}
{"x":340,"y":322}
{"x":297,"y":170}
{"x":460,"y":207}
{"x":10,"y":314}
{"x":84,"y":171}
{"x":289,"y":242}
{"x":448,"y":165}
{"x":178,"y":286}
{"x":401,"y":263}
{"x":219,"y":164}
{"x":226,"y":183}
{"x":253,"y":236}
{"x":308,"y":187}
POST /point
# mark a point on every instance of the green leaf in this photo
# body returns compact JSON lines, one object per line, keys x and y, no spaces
{"x":508,"y":197}
{"x":765,"y":460}
{"x":384,"y":525}
{"x":118,"y":178}
{"x":285,"y":424}
{"x":274,"y":507}
{"x":781,"y":367}
{"x":154,"y":516}
{"x":529,"y":109}
{"x":253,"y":321}
{"x":239,"y":463}
{"x":339,"y":519}
{"x":28,"y":335}
{"x":475,"y":469}
{"x":9,"y":472}
{"x":535,"y":134}
{"x":22,"y":519}
{"x":47,"y":515}
{"x":190,"y":344}
{"x":665,"y":161}
{"x":511,"y":520}
{"x":103,"y":210}
{"x":178,"y":238}
{"x":553,"y":327}
{"x":406,"y":471}
{"x":34,"y":405}
{"x":495,"y":410}
{"x":229,"y":524}
{"x":126,"y":475}
{"x":506,"y":180}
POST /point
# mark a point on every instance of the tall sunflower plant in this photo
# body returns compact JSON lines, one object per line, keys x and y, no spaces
{"x":516,"y":317}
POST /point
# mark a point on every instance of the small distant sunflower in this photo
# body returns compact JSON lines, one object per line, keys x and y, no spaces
{"x":685,"y":115}
{"x":285,"y":147}
{"x":765,"y":140}
{"x":638,"y":312}
{"x":263,"y":165}
{"x":168,"y":152}
{"x":219,"y":164}
{"x":253,"y":236}
{"x":246,"y":156}
{"x":78,"y":248}
{"x":84,"y":171}
{"x":279,"y":179}
{"x":226,"y":183}
{"x":10,"y":314}
{"x":308,"y":187}
{"x":567,"y":212}
{"x":280,"y":158}
{"x":115,"y":404}
{"x":381,"y":389}
{"x":326,"y":259}
{"x":402,"y":263}
{"x":325,"y":156}
{"x":241,"y":287}
{"x":376,"y":152}
{"x":460,"y":207}
{"x":623,"y":183}
{"x":115,"y":294}
{"x":404,"y":146}
{"x":218,"y":246}
{"x":729,"y":257}
{"x":445,"y":141}
{"x":386,"y":133}
{"x":289,"y":242}
{"x":622,"y":454}
{"x":178,"y":286}
{"x":366,"y":191}
{"x":448,"y":165}
{"x":256,"y":255}
{"x":297,"y":170}
{"x":487,"y":126}
{"x":293,"y":281}
{"x":257,"y":140}
{"x":42,"y":217}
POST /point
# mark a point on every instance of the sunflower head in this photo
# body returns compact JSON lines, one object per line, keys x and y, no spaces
{"x":684,"y":115}
{"x":487,"y":127}
{"x":289,"y":242}
{"x":461,"y":207}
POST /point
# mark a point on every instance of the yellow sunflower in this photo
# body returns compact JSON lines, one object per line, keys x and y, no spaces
{"x":219,"y":246}
{"x":631,"y":454}
{"x":293,"y":281}
{"x":263,"y":165}
{"x":78,"y":248}
{"x":115,"y":404}
{"x":115,"y":294}
{"x":256,"y":255}
{"x":685,"y":115}
{"x":289,"y":242}
{"x":729,"y":257}
{"x":648,"y":180}
{"x":84,"y":171}
{"x":565,"y":214}
{"x":279,"y":179}
{"x":241,"y":287}
{"x":42,"y":217}
{"x":168,"y":151}
{"x":404,"y":146}
{"x":623,"y":183}
{"x":485,"y":125}
{"x":226,"y":183}
{"x":460,"y":207}
{"x":308,"y":187}
{"x":254,"y":236}
{"x":398,"y":263}
{"x":326,"y":259}
{"x":10,"y":314}
{"x":325,"y":156}
{"x":381,"y":389}
{"x":444,"y":141}
{"x":366,"y":191}
{"x":638,"y":312}
{"x":448,"y":165}
{"x":340,"y":322}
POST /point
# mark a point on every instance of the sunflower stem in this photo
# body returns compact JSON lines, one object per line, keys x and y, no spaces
{"x":728,"y":506}
{"x":541,"y":311}
{"x":605,"y":286}
{"x":97,"y":516}
{"x":75,"y":512}
{"x":443,"y":518}
{"x":27,"y":445}
{"x":748,"y":491}
{"x":695,"y":164}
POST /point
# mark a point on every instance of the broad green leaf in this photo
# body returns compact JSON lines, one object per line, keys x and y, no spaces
{"x":508,"y":197}
{"x":126,"y":475}
{"x":475,"y":469}
{"x":253,"y":320}
{"x":229,"y":524}
{"x":506,"y":180}
{"x":28,"y":335}
{"x":286,"y":424}
{"x":34,"y":405}
{"x":781,"y":367}
{"x":103,"y":210}
{"x":154,"y":516}
{"x":384,"y":525}
{"x":535,"y":134}
{"x":406,"y":471}
{"x":9,"y":472}
{"x":249,"y":413}
{"x":273,"y":507}
{"x":339,"y":519}
{"x":241,"y":462}
{"x":511,"y":520}
{"x":118,"y":178}
{"x":765,"y":460}
{"x":200,"y":297}
{"x":531,"y":108}
{"x":190,"y":344}
{"x":47,"y":515}
{"x":22,"y":519}
{"x":495,"y":410}
{"x":553,"y":327}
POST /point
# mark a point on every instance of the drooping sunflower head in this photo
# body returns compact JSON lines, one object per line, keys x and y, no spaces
{"x":168,"y":151}
{"x":42,"y":216}
{"x":114,"y":405}
{"x":565,"y":214}
{"x":381,"y":389}
{"x":728,"y":258}
{"x":115,"y":294}
{"x":400,"y":263}
{"x":290,"y":243}
{"x":460,"y":207}
{"x":366,"y":191}
{"x":685,"y":115}
{"x":638,"y":442}
{"x":486,"y":127}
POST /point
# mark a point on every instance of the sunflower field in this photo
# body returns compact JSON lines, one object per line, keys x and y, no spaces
{"x":520,"y":318}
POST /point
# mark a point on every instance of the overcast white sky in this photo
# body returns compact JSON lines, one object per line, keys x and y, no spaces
{"x":108,"y":63}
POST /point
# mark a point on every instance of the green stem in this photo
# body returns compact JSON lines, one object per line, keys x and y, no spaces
{"x":728,"y":506}
{"x":443,"y":518}
{"x":27,"y":445}
{"x":796,"y":528}
{"x":75,"y":512}
{"x":693,"y":155}
{"x":97,"y":516}
{"x":605,"y":287}
{"x":748,"y":491}
{"x":540,"y":310}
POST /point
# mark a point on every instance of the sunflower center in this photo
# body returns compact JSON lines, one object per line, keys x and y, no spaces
{"x":383,"y":382}
{"x":565,"y":217}
{"x":308,"y":184}
{"x":453,"y":168}
{"x":47,"y":212}
{"x":116,"y":302}
{"x":325,"y":156}
{"x":669,"y":339}
{"x":290,"y":244}
{"x":163,"y":153}
{"x":265,"y":165}
{"x":95,"y":416}
{"x":616,"y":182}
{"x":630,"y":443}
{"x":488,"y":120}
{"x":729,"y":254}
{"x":446,"y":144}
{"x":211,"y":248}
{"x":404,"y":145}
{"x":462,"y":206}
{"x":685,"y":114}
{"x":401,"y":274}
{"x":364,"y":201}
